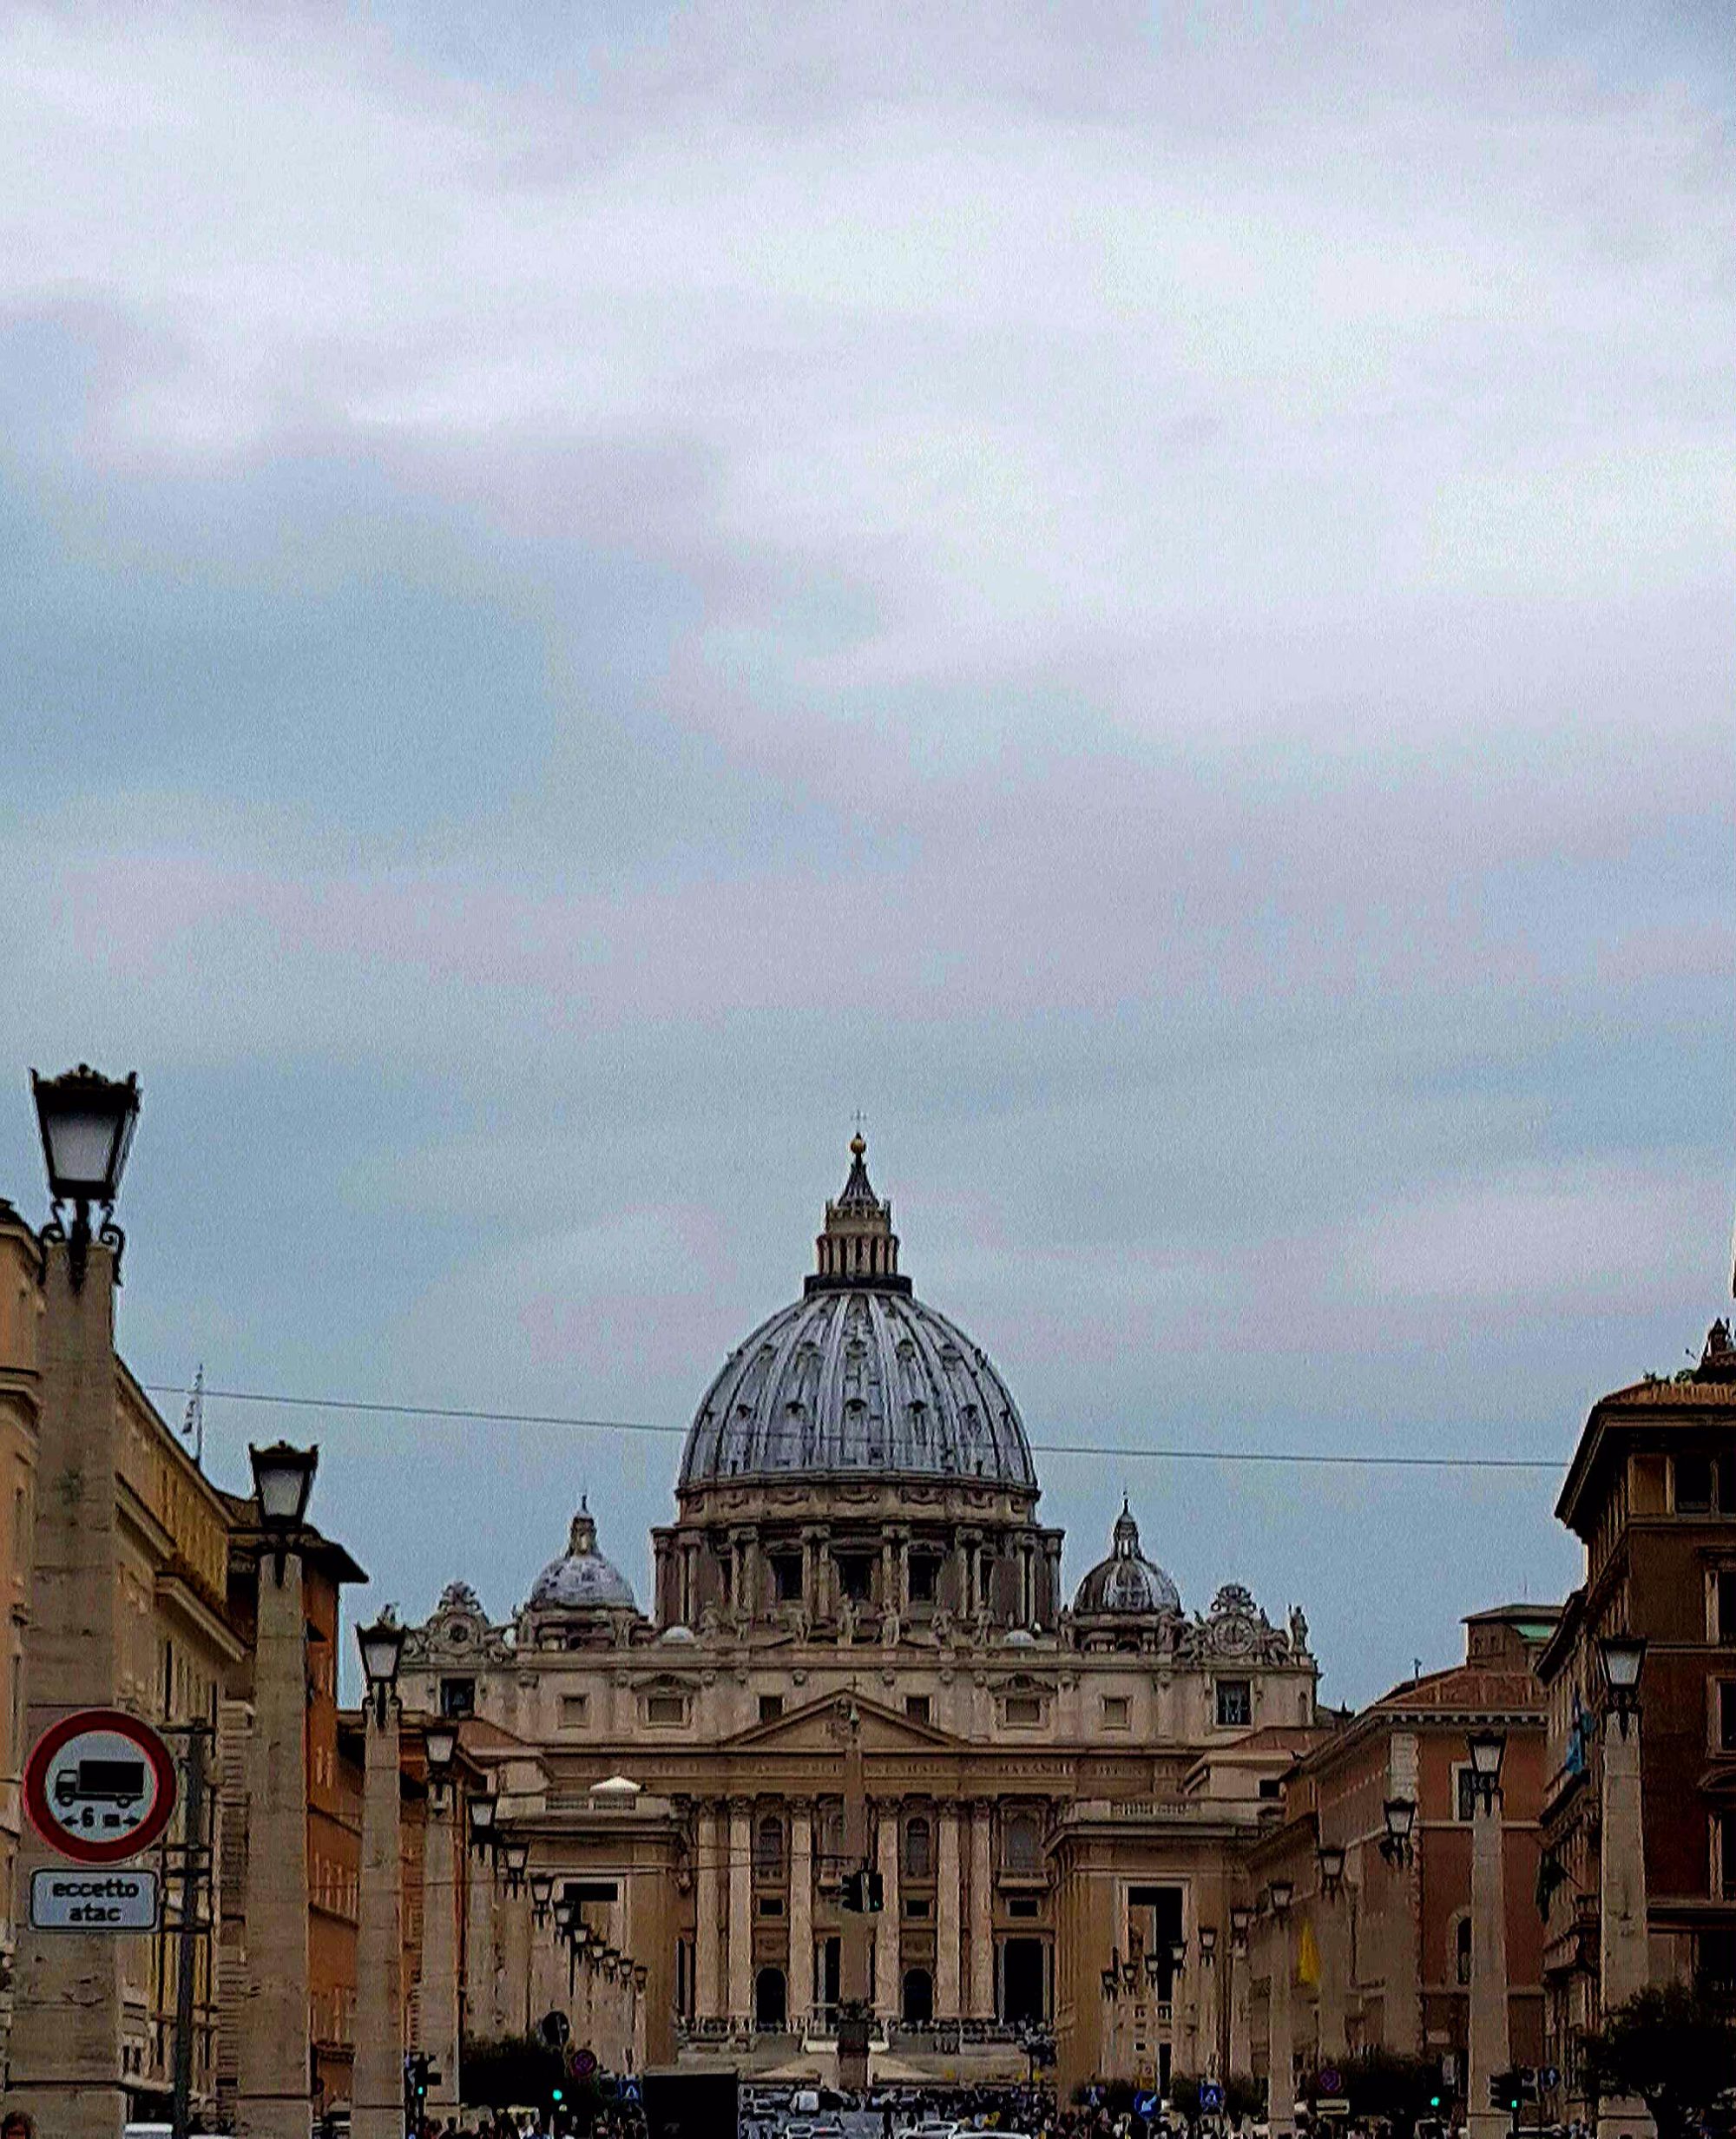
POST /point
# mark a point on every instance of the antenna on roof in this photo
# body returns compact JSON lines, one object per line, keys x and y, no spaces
{"x":192,"y":1426}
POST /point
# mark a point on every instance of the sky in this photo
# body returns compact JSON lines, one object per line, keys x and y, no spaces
{"x":1140,"y":593}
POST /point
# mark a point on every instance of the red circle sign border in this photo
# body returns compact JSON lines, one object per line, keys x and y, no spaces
{"x":61,"y":1839}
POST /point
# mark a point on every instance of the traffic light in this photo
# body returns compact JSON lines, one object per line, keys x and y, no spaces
{"x":559,"y":2097}
{"x":1506,"y":2092}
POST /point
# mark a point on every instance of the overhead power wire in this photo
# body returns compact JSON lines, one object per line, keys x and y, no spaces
{"x":467,"y":1415}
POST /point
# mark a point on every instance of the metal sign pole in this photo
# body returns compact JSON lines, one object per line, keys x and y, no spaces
{"x":193,"y":1834}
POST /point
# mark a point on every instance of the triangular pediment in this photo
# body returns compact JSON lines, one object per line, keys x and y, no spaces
{"x":821,"y":1725}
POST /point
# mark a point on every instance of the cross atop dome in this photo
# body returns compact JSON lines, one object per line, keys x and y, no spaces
{"x":858,"y":1246}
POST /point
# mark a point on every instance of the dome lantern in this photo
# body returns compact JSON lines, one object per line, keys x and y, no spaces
{"x":857,"y":1245}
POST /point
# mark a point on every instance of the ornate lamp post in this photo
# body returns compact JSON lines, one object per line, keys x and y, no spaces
{"x":1400,"y":1816}
{"x":87,"y":1123}
{"x":377,"y":2110}
{"x":440,"y":2010}
{"x":1489,"y":2039}
{"x":1624,"y":1958}
{"x":68,"y":2077}
{"x":1281,"y":2047}
{"x":272,"y":2053}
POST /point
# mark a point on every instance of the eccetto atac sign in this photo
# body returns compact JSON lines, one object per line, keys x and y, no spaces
{"x":94,"y":1900}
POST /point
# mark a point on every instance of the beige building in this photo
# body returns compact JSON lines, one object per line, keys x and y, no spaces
{"x":857,"y":1562}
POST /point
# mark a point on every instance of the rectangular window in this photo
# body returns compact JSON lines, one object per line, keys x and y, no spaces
{"x":1022,"y":1905}
{"x":1271,"y":1787}
{"x":1726,"y":1604}
{"x":1694,"y":1484}
{"x":1235,"y":1704}
{"x":924,"y":1574}
{"x":1726,"y":1715}
{"x":666,"y":1708}
{"x":1465,"y":1792}
{"x":917,"y":1707}
{"x":573,"y":1710}
{"x":916,"y":1905}
{"x":770,"y":1905}
{"x":770,"y":1707}
{"x":1022,"y":1708}
{"x":1116,"y":1712}
{"x":457,"y":1699}
{"x":786,"y":1572}
{"x":856,"y":1576}
{"x":1723,"y":1840}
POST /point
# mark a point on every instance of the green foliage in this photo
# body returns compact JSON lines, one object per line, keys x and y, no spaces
{"x":1672,"y":2050}
{"x":510,"y":2071}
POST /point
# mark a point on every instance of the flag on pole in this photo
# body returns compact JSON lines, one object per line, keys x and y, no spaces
{"x":1307,"y":1954}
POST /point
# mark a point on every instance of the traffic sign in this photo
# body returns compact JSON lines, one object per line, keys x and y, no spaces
{"x":1330,"y":2081}
{"x":1549,"y":2079}
{"x":556,"y":2029}
{"x":581,"y":2064}
{"x":93,"y":1900}
{"x":1145,"y":2103}
{"x":99,"y":1787}
{"x":1211,"y":2096}
{"x":630,"y":2090}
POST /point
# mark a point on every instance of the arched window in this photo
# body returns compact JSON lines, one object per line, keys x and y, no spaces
{"x":768,"y":1848}
{"x":918,"y":1849}
{"x":770,"y":2004}
{"x":919,"y":2001}
{"x":1022,"y":1842}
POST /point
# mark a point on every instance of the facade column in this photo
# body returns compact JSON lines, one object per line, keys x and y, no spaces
{"x":982,"y":1916}
{"x":378,"y":2084}
{"x":65,"y":2043}
{"x":1490,"y":2051}
{"x":515,"y":1959}
{"x":800,"y":1972}
{"x":947,"y":1929}
{"x":1401,"y":2022}
{"x":1241,"y":2004}
{"x":272,"y":2054}
{"x":1211,"y":1979}
{"x":709,"y":1925}
{"x":1280,"y":2056}
{"x":741,"y":1912}
{"x":887,"y":2002}
{"x":439,"y":2010}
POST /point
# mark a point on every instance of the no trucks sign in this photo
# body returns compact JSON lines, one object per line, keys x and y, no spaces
{"x":99,"y":1787}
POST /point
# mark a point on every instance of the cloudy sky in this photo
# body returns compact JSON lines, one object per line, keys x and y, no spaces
{"x":1142,"y":592}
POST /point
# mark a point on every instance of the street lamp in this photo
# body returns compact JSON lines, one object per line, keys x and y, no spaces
{"x":1488,"y":1749}
{"x":1177,"y":1954}
{"x":1279,"y":1894}
{"x":1112,"y":1982}
{"x":1331,"y":1858}
{"x":482,"y":1808}
{"x":382,"y":1647}
{"x":1622,"y":1656}
{"x":1241,"y":1921}
{"x":283,"y":1484}
{"x":1208,"y":1944}
{"x":87,"y":1123}
{"x":1154,"y":1968}
{"x":440,"y":1747}
{"x":565,"y":1909}
{"x":542,"y":1888}
{"x":1400,"y":1814}
{"x":642,"y":1976}
{"x":515,"y":1856}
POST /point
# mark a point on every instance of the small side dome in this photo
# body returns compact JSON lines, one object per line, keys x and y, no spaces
{"x":582,"y":1579}
{"x":676,"y":1634}
{"x":1126,"y":1583}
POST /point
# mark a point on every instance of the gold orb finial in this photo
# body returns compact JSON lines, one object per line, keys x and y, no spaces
{"x":858,"y":1144}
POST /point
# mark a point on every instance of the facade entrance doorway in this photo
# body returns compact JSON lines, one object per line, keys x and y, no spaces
{"x":1021,"y":1981}
{"x":918,"y":2004}
{"x":771,"y":2008}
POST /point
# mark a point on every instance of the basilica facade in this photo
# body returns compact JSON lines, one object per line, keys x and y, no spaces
{"x":1062,"y":1782}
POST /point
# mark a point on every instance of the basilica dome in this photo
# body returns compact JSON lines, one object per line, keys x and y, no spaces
{"x":859,"y":1376}
{"x":582,"y":1579}
{"x":1126,"y":1582}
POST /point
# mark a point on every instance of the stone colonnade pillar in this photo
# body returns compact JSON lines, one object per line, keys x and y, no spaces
{"x":272,"y":2054}
{"x":1333,"y":1918}
{"x":379,"y":2085}
{"x":1280,"y":2037}
{"x":1489,"y":2047}
{"x":947,"y":1931}
{"x":65,"y":2042}
{"x":439,"y":2010}
{"x":1625,"y":1959}
{"x":1241,"y":2004}
{"x":482,"y":1984}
